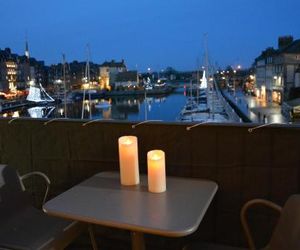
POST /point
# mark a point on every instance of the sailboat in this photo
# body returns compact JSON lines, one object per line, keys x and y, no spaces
{"x":38,"y":94}
{"x":203,"y":81}
{"x":87,"y":83}
{"x":40,"y":112}
{"x":208,"y":107}
{"x":199,"y":104}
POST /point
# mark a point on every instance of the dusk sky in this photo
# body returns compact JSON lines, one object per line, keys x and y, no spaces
{"x":148,"y":33}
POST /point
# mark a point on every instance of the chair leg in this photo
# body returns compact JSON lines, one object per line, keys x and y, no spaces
{"x":92,"y":237}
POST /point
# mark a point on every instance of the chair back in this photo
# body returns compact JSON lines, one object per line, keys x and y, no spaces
{"x":12,"y":197}
{"x":287,"y":232}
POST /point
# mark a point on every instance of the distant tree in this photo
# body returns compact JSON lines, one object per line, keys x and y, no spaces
{"x":170,"y":70}
{"x":229,"y":68}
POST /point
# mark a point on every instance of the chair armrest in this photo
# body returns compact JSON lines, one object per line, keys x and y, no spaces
{"x":45,"y":177}
{"x":255,"y":202}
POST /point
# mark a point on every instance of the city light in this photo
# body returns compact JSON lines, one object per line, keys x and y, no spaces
{"x":16,"y":114}
{"x":85,"y":85}
{"x":61,"y":111}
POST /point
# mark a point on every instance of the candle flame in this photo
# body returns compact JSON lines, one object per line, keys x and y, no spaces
{"x":156,"y":157}
{"x":127,"y":141}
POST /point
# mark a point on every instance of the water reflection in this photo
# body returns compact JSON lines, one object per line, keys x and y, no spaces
{"x":41,"y":112}
{"x":137,"y":108}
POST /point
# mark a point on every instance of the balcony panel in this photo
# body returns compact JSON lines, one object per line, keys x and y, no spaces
{"x":258,"y":148}
{"x":251,"y":176}
{"x":264,"y":164}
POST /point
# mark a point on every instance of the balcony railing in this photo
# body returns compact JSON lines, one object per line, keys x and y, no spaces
{"x":261,"y":164}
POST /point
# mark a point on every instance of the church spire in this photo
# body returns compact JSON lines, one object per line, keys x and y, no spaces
{"x":26,"y":48}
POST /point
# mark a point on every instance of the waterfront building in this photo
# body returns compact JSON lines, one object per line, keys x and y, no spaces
{"x":5,"y":56}
{"x":56,"y":77}
{"x":74,"y":74}
{"x":16,"y":71}
{"x":109,"y":72}
{"x":277,"y":71}
{"x":127,"y":79}
{"x":26,"y":69}
{"x":11,"y":75}
{"x":9,"y":71}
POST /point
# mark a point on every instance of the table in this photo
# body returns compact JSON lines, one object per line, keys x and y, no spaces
{"x":102,"y":200}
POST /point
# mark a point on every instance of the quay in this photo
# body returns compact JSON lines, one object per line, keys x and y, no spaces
{"x":158,"y":91}
{"x":15,"y":104}
{"x":252,"y":109}
{"x":77,"y":95}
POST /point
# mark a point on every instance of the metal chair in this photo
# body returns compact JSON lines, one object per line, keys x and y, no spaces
{"x":25,"y":227}
{"x":286,"y":234}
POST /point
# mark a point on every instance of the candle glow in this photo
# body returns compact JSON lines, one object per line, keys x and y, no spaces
{"x":156,"y":171}
{"x":128,"y":158}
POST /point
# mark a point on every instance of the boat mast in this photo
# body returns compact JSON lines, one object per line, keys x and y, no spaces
{"x":146,"y":105}
{"x":65,"y":86}
{"x":198,"y":80}
{"x":137,"y":74}
{"x":191,"y":89}
{"x":89,"y":77}
{"x":87,"y":80}
{"x":209,"y":74}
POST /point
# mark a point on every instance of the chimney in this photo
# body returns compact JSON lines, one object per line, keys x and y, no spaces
{"x":284,"y":41}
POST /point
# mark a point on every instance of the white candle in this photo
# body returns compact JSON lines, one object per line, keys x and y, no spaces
{"x":156,"y":171}
{"x":129,"y":162}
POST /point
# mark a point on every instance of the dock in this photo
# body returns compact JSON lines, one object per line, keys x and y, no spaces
{"x":14,"y":104}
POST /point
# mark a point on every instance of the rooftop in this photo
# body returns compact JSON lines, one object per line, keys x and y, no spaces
{"x":113,"y":64}
{"x":292,"y":48}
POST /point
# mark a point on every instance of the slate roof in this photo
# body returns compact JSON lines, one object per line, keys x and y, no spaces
{"x":293,"y":48}
{"x":114,"y":64}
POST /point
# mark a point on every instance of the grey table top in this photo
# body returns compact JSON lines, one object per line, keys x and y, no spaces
{"x":102,"y":200}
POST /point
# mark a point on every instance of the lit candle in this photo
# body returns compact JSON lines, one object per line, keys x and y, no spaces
{"x":156,"y":171}
{"x":129,"y":162}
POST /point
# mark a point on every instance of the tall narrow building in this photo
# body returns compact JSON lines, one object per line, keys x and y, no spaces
{"x":26,"y":49}
{"x":28,"y":71}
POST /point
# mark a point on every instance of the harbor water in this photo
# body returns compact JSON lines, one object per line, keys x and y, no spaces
{"x":127,"y":108}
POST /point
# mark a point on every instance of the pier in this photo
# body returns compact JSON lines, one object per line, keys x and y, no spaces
{"x":253,"y":109}
{"x":15,"y":104}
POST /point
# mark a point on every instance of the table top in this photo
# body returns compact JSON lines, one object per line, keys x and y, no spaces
{"x":102,"y":200}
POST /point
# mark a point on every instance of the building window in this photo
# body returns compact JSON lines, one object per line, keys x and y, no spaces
{"x":276,"y":97}
{"x":269,"y":60}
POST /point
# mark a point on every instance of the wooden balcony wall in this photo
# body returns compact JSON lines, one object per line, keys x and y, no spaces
{"x":265,"y":163}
